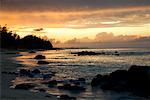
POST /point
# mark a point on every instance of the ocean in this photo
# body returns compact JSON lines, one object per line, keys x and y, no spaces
{"x":68,"y":65}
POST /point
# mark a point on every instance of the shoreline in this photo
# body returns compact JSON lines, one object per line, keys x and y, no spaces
{"x":9,"y":67}
{"x":7,"y":93}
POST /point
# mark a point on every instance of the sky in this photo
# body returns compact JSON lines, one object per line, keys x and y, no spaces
{"x":64,"y":20}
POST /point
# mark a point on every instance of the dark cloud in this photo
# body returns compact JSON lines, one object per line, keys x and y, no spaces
{"x":104,"y":37}
{"x":107,"y":40}
{"x":142,"y":39}
{"x":38,"y":29}
{"x":67,"y":5}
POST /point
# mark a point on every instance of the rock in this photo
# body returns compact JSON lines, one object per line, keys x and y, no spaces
{"x":42,"y":90}
{"x":99,"y":79}
{"x":75,"y":82}
{"x":139,"y":78}
{"x":82,"y":53}
{"x":79,"y":81}
{"x":36,"y":71}
{"x":135,"y":80}
{"x":48,"y":96}
{"x":71,"y":87}
{"x":50,"y":83}
{"x":116,"y":53}
{"x":47,"y":76}
{"x":42,"y":62}
{"x":39,"y":57}
{"x":66,"y":97}
{"x":24,"y":72}
{"x":119,"y":75}
{"x":82,"y":80}
{"x":25,"y":86}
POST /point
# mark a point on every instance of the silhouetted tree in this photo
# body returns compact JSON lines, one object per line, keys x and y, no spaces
{"x":8,"y":39}
{"x":33,"y":42}
{"x":13,"y":41}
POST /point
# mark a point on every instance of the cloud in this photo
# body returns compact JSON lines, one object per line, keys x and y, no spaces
{"x":68,"y":5}
{"x":109,"y":37}
{"x":38,"y":29}
{"x":142,"y":39}
{"x":103,"y":37}
{"x":107,"y":40}
{"x":75,"y":13}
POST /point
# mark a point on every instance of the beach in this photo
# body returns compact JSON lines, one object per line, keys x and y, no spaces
{"x":7,"y":65}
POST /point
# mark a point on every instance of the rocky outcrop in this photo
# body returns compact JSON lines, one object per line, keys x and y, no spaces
{"x":39,"y":57}
{"x":25,"y":86}
{"x":91,"y":53}
{"x":42,"y":62}
{"x":66,"y":97}
{"x":136,"y":80}
{"x":71,"y":87}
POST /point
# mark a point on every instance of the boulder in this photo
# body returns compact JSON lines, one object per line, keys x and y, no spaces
{"x":99,"y":79}
{"x":66,"y":97}
{"x":47,"y":76}
{"x":39,"y":57}
{"x":24,"y":72}
{"x":25,"y":86}
{"x":139,"y":78}
{"x":36,"y":71}
{"x":82,"y":53}
{"x":71,"y":87}
{"x":136,"y":80}
{"x":82,"y":80}
{"x":42,"y":62}
{"x":50,"y":83}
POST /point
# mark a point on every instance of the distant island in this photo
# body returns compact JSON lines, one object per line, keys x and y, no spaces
{"x":10,"y":40}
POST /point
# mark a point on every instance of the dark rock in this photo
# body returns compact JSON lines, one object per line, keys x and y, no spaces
{"x":66,"y":97}
{"x":79,"y":81}
{"x":82,"y":80}
{"x":116,"y":53}
{"x":119,"y":75}
{"x":48,"y":96}
{"x":24,"y":72}
{"x":86,"y":53}
{"x":99,"y":79}
{"x":36,"y":71}
{"x":25,"y":86}
{"x":39,"y":57}
{"x":135,"y":80}
{"x":139,"y":78}
{"x":72,"y":87}
{"x":47,"y":76}
{"x":42,"y":90}
{"x":75,"y":82}
{"x":43,"y":62}
{"x":51,"y":83}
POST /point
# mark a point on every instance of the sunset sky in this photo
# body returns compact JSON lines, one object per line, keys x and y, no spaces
{"x":68,"y":19}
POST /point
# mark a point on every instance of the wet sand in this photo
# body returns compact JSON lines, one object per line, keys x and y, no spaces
{"x":7,"y":65}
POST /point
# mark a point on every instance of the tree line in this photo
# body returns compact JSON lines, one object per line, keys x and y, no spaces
{"x":10,"y":40}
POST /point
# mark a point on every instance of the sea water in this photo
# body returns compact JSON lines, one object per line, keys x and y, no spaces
{"x":71,"y":66}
